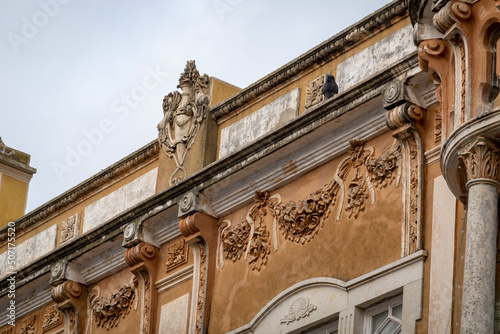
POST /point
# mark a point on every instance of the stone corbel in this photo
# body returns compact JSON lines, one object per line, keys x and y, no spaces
{"x":136,"y":232}
{"x":192,"y":202}
{"x":200,"y":231}
{"x":143,"y":262}
{"x":70,"y":294}
{"x":436,"y":58}
{"x":401,"y":119}
{"x":395,"y":93}
{"x":449,"y":15}
{"x":71,"y":299}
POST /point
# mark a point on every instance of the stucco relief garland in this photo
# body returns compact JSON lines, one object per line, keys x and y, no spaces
{"x":300,"y":222}
{"x":107,"y":311}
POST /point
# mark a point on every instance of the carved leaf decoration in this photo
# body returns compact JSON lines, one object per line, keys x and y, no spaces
{"x":108,"y":311}
{"x":314,"y":94}
{"x":235,"y":240}
{"x":260,"y":248}
{"x":28,"y":326}
{"x":300,"y":308}
{"x":300,"y":222}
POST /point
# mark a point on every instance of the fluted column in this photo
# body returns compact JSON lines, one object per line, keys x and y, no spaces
{"x":481,"y":158}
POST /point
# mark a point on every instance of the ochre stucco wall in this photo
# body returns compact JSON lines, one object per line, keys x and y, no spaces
{"x":342,"y":249}
{"x":13,"y":195}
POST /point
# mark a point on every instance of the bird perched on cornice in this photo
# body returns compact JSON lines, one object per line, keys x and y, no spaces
{"x":330,"y":87}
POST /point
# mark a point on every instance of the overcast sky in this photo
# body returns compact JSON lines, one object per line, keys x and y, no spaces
{"x":71,"y":70}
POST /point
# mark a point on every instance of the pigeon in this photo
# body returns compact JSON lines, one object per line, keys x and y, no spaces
{"x":330,"y":87}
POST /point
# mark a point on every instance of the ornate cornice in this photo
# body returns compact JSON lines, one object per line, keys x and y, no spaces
{"x":327,"y":50}
{"x":306,"y":123}
{"x":85,"y":188}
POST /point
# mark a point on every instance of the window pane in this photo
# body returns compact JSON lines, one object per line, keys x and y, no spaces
{"x":378,"y":320}
{"x":398,"y":311}
{"x":390,"y":328}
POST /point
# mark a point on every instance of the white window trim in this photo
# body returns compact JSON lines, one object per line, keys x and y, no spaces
{"x":376,"y":309}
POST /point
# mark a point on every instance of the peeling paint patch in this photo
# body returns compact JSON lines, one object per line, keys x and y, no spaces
{"x":31,"y":249}
{"x":375,"y":58}
{"x":120,"y":200}
{"x":261,"y":122}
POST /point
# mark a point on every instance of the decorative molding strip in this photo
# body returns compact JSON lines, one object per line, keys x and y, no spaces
{"x":103,"y":269}
{"x":85,"y":188}
{"x":175,"y":279}
{"x":26,"y":306}
{"x":167,"y":234}
{"x":23,"y":175}
{"x":329,"y":49}
{"x":438,"y":122}
{"x":433,"y":155}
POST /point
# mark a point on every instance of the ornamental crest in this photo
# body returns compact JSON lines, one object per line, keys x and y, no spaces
{"x":182,"y":117}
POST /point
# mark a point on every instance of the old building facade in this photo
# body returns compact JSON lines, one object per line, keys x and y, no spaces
{"x":271,"y":209}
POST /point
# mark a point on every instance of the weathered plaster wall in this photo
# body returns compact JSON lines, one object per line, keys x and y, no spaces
{"x":382,"y":54}
{"x":262,"y":121}
{"x":342,"y":249}
{"x":302,"y":79}
{"x":119,"y":200}
{"x":179,"y":296}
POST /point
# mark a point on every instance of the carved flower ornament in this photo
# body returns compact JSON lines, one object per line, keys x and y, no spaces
{"x":300,"y":222}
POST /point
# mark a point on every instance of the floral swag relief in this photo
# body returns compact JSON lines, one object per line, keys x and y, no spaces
{"x":300,"y":222}
{"x":183,"y":115}
{"x":107,"y":311}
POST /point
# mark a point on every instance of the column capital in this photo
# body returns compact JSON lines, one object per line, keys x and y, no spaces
{"x":481,"y":157}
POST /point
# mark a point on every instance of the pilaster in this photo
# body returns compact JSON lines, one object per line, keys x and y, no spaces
{"x":200,"y":231}
{"x":142,"y":260}
{"x":71,"y":299}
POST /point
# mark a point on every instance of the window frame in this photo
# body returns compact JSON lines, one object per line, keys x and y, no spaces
{"x":387,"y":305}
